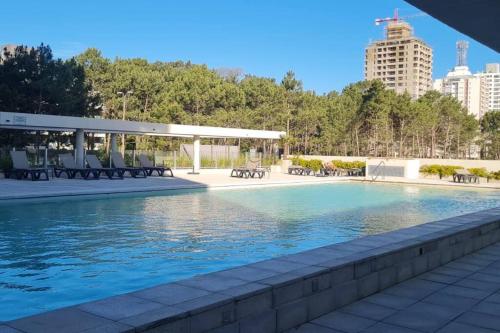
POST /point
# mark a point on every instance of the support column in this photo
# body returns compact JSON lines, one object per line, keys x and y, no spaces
{"x":80,"y":148}
{"x":196,"y":155}
{"x":114,"y":144}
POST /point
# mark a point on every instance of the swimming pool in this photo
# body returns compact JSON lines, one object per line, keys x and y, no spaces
{"x":66,"y":251}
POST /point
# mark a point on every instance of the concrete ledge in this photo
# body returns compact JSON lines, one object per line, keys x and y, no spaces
{"x":278,"y":294}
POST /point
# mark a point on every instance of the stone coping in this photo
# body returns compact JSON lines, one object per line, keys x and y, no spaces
{"x":277,"y":294}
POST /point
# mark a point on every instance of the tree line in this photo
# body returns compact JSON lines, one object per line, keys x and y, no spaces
{"x":364,"y":119}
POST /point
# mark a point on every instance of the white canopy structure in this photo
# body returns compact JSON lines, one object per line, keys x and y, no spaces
{"x":37,"y":122}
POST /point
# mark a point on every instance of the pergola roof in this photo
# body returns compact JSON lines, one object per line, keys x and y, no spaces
{"x":479,"y":19}
{"x":27,"y":121}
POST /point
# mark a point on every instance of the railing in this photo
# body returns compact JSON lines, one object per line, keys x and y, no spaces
{"x":176,"y":160}
{"x":374,"y":177}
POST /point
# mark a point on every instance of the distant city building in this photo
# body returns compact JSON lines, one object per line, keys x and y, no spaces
{"x":491,"y":78}
{"x":479,"y":93}
{"x":402,"y":61}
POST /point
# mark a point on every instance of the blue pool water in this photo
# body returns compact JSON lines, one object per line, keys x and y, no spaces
{"x":67,"y":251}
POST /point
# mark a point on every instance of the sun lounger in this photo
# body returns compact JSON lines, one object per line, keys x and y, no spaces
{"x":119,"y":164}
{"x":22,"y":170}
{"x":71,"y":170}
{"x":299,"y":170}
{"x":355,"y":172}
{"x":464,"y":176}
{"x":150,"y":168}
{"x":97,"y":167}
{"x":329,"y":169}
{"x":251,"y":170}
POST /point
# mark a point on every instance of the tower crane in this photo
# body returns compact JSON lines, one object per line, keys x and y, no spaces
{"x":397,"y":18}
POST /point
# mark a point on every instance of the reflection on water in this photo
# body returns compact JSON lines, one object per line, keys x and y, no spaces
{"x":64,"y":252}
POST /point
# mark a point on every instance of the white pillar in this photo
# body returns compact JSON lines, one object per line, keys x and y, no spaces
{"x":80,"y":148}
{"x":114,"y":144}
{"x":196,"y":154}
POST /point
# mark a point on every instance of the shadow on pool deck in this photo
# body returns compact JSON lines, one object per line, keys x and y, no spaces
{"x":21,"y":189}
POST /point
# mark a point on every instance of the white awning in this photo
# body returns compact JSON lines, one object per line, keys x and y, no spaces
{"x":28,"y":121}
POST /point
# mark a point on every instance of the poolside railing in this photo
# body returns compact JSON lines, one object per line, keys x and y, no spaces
{"x":43,"y":157}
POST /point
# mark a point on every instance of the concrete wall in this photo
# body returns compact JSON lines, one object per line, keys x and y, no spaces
{"x":490,"y":165}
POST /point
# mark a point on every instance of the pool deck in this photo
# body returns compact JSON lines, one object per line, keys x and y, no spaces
{"x":208,"y":179}
{"x":461,"y":296}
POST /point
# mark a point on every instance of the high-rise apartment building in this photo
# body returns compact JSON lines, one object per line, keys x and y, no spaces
{"x":480,"y":92}
{"x":491,"y":78}
{"x":402,"y":61}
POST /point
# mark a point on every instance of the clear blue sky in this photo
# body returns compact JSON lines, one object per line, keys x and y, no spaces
{"x":322,"y":41}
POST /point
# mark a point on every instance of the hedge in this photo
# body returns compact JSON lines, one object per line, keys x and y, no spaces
{"x":450,"y":170}
{"x":315,"y":165}
{"x":441,"y":170}
{"x":348,"y":165}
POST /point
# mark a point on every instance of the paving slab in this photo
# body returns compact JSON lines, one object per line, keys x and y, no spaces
{"x":391,"y":301}
{"x":495,"y":298}
{"x":212,"y":282}
{"x":368,"y":310}
{"x":454,"y":327}
{"x":119,"y":307}
{"x":387,"y":328}
{"x":7,"y":329}
{"x":423,"y":317}
{"x":344,"y":322}
{"x":415,"y":288}
{"x":68,"y":320}
{"x":477,"y":284}
{"x":441,"y":278}
{"x":465,"y":292}
{"x":482,"y":320}
{"x":154,"y":318}
{"x":488,"y":308}
{"x":171,"y":293}
{"x":312,"y":328}
{"x":452,"y":301}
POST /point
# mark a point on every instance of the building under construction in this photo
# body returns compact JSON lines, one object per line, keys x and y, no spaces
{"x":402,"y":61}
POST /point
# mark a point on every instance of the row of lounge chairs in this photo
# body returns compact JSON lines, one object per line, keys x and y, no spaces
{"x":251,"y":170}
{"x":22,"y":170}
{"x":326,"y":170}
{"x":300,"y":170}
{"x":464,"y":176}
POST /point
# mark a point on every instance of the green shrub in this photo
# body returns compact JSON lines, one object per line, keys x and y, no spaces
{"x":495,"y":175}
{"x":432,"y":169}
{"x":315,"y":165}
{"x":296,"y":160}
{"x":441,"y":170}
{"x":480,"y":172}
{"x":449,"y":170}
{"x":348,"y":165}
{"x":5,"y":163}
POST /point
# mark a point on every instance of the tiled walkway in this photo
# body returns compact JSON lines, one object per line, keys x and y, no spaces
{"x":460,"y":297}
